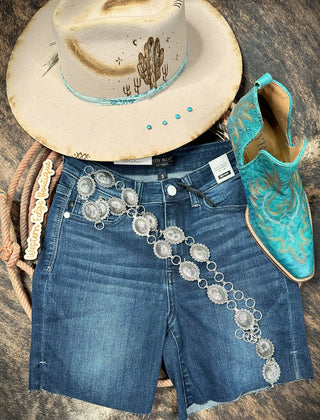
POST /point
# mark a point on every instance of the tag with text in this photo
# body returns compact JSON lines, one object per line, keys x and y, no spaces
{"x":142,"y":161}
{"x":39,"y":210}
{"x":221,"y":168}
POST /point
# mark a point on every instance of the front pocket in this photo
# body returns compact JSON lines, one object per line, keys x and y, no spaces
{"x":227,"y":194}
{"x":52,"y":233}
{"x":81,"y":207}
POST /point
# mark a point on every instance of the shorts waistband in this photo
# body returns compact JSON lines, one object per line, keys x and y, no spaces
{"x":165,"y":183}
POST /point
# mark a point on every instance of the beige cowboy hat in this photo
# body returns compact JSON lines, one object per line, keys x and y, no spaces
{"x":121,"y":79}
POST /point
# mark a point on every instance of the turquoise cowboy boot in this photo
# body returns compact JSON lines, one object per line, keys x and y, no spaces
{"x":278,"y":215}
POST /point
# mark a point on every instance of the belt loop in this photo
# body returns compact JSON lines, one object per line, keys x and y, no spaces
{"x":138,"y":186}
{"x":194,"y":198}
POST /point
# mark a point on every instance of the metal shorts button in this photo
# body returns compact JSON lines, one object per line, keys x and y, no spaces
{"x":66,"y":215}
{"x":171,"y":190}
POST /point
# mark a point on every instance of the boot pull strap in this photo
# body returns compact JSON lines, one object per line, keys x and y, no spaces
{"x":263,"y":81}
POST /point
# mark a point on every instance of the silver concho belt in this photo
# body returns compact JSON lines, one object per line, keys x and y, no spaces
{"x":144,"y":223}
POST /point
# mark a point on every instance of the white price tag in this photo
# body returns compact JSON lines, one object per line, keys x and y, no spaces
{"x":221,"y":168}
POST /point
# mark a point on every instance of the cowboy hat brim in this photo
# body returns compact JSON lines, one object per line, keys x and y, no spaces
{"x":52,"y":115}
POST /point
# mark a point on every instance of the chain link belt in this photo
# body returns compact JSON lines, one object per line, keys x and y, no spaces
{"x":144,"y":223}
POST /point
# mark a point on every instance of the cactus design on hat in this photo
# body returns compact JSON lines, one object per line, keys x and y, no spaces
{"x":150,"y":62}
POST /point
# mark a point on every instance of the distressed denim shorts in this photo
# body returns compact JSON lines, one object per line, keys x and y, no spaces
{"x":109,"y":306}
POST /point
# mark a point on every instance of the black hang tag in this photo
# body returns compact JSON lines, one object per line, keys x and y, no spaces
{"x":163,"y":161}
{"x":227,"y":173}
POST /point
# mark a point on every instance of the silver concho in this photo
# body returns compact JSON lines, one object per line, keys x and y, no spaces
{"x":117,"y":206}
{"x":152,"y":220}
{"x":217,"y":294}
{"x":200,"y":252}
{"x":271,"y":371}
{"x":174,"y":235}
{"x":162,"y":249}
{"x":85,"y":186}
{"x":189,"y":271}
{"x":244,"y":319}
{"x":141,"y":226}
{"x":91,"y":211}
{"x":264,"y":348}
{"x":103,"y":207}
{"x":104,"y":178}
{"x":130,"y":197}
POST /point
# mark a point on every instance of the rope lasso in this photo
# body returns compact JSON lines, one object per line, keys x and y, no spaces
{"x":11,"y":250}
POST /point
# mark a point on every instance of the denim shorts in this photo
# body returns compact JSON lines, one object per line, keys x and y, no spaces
{"x":108,"y":306}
